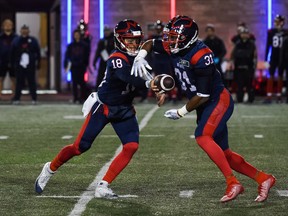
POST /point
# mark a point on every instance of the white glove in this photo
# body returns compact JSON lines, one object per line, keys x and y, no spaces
{"x":172,"y":114}
{"x":140,"y":65}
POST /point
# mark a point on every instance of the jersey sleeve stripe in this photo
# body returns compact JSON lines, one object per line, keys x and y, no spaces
{"x":199,"y":54}
{"x":119,"y":55}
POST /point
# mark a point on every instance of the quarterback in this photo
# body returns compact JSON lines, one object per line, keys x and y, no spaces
{"x":112,"y":103}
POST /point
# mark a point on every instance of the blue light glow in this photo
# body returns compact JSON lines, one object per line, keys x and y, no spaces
{"x":69,"y":18}
{"x":101,"y":18}
{"x":269,"y":21}
{"x":269,"y":13}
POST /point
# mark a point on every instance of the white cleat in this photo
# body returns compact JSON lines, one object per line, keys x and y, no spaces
{"x":103,"y":191}
{"x":264,"y":188}
{"x":43,"y":178}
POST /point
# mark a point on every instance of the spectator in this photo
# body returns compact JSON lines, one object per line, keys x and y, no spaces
{"x":104,"y":49}
{"x":240,"y":27}
{"x":217,"y":46}
{"x":85,"y":35}
{"x":25,"y":58}
{"x":6,"y":39}
{"x":76,"y":60}
{"x":244,"y":57}
{"x":284,"y":62}
{"x":274,"y":41}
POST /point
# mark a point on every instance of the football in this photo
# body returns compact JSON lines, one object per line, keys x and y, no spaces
{"x":164,"y":82}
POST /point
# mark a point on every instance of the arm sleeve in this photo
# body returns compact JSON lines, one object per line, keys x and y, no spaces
{"x":160,"y":46}
{"x":123,"y":73}
{"x":203,"y":80}
{"x":37,"y":49}
{"x":97,"y":53}
{"x":223,"y":49}
{"x":268,"y":44}
{"x":87,"y":54}
{"x":67,"y":56}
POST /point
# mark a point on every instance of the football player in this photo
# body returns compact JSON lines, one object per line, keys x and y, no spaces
{"x":284,"y":62}
{"x":111,"y":104}
{"x":275,"y":38}
{"x":196,"y":70}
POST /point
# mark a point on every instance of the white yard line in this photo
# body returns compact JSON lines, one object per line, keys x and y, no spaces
{"x":3,"y":137}
{"x":186,"y":193}
{"x":73,"y":117}
{"x":78,"y":197}
{"x":66,"y":137}
{"x":147,"y":135}
{"x":88,"y":195}
{"x":257,"y":116}
{"x":258,"y":136}
{"x":283,"y":193}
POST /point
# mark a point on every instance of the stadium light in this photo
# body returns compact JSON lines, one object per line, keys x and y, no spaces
{"x":172,"y":8}
{"x":269,"y":23}
{"x":86,"y":20}
{"x":269,"y":13}
{"x":101,"y":18}
{"x":69,"y":19}
{"x":86,"y":10}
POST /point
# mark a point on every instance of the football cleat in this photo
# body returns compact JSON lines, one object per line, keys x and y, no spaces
{"x":43,"y":178}
{"x":103,"y":191}
{"x":232,"y":191}
{"x":264,"y":188}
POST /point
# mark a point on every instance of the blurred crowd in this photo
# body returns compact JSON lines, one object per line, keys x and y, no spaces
{"x":20,"y":58}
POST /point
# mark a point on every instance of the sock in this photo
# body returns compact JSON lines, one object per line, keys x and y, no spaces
{"x":215,"y":153}
{"x":121,"y":161}
{"x":279,"y":87}
{"x":63,"y":156}
{"x":231,"y":180}
{"x":238,"y":164}
{"x":261,"y":177}
{"x":270,"y":87}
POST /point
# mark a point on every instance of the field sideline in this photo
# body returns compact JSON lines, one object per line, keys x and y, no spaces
{"x":167,"y":163}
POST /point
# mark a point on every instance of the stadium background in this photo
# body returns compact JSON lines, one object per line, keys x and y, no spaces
{"x":52,"y":22}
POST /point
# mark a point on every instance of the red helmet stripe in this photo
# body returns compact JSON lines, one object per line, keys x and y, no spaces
{"x":199,"y":54}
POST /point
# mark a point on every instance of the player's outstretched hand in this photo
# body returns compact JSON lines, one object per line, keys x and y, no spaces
{"x":140,"y":67}
{"x":172,"y":114}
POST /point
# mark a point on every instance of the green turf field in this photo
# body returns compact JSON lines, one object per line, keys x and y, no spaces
{"x":164,"y":165}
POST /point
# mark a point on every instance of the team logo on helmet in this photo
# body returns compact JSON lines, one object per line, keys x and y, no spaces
{"x":128,"y":37}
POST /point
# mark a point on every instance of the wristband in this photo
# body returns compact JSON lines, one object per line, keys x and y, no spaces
{"x":142,"y":53}
{"x":182,"y":111}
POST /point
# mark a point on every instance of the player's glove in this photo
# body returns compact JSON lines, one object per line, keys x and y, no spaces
{"x":172,"y":114}
{"x":140,"y":65}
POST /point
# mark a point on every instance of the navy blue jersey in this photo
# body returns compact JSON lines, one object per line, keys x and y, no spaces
{"x":195,"y":69}
{"x":118,"y":86}
{"x":274,"y":41}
